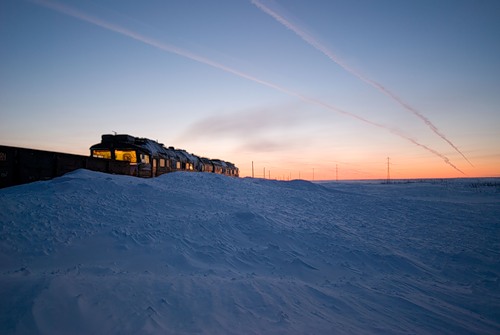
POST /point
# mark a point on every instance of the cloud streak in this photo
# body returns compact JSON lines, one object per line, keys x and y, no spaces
{"x":318,"y":46}
{"x":250,"y":122}
{"x":262,"y":129}
{"x":187,"y":54}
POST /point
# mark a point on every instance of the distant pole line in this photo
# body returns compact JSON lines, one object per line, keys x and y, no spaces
{"x":318,"y":46}
{"x":187,"y":54}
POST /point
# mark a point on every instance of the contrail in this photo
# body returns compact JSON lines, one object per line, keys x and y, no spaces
{"x":314,"y":43}
{"x":393,"y":131}
{"x":184,"y":53}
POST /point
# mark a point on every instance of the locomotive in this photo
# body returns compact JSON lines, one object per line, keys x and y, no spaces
{"x":148,"y":158}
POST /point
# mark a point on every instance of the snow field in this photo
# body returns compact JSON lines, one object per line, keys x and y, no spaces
{"x":187,"y":253}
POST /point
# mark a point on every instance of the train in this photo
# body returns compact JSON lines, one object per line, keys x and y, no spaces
{"x":149,"y":158}
{"x":115,"y":154}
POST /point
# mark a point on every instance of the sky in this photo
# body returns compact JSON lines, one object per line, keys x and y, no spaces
{"x":300,"y":89}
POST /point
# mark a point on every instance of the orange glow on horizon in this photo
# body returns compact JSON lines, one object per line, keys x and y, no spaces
{"x":486,"y":169}
{"x":280,"y":166}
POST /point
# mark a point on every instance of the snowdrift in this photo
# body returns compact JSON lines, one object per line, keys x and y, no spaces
{"x":91,"y":253}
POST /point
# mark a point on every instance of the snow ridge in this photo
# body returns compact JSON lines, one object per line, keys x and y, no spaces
{"x":209,"y":254}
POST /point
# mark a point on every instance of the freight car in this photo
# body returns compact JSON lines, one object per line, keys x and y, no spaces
{"x":148,"y":158}
{"x":23,"y":165}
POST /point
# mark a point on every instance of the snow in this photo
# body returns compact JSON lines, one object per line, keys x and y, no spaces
{"x":184,"y":253}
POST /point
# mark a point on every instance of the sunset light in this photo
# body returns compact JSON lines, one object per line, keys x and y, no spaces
{"x":310,"y":90}
{"x":250,"y":167}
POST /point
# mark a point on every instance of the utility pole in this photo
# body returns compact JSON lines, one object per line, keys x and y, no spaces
{"x":336,"y":172}
{"x":252,"y":169}
{"x":269,"y":174}
{"x":264,"y":172}
{"x":388,"y":170}
{"x":313,"y":174}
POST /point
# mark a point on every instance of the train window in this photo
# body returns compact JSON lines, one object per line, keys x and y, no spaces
{"x":126,"y":155}
{"x":101,"y":154}
{"x":178,"y":165}
{"x":162,"y":162}
{"x":144,"y":159}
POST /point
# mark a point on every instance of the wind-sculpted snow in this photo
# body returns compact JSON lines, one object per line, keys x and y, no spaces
{"x":184,"y":253}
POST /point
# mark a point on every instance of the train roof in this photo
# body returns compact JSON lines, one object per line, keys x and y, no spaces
{"x":185,"y":156}
{"x":122,"y":141}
